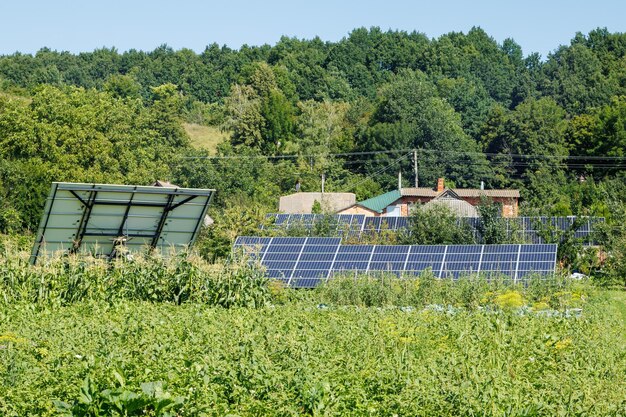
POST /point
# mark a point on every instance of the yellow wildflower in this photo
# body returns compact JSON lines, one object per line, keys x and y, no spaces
{"x":562,"y":344}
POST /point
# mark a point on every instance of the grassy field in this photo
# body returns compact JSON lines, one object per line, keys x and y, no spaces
{"x":302,"y":358}
{"x":205,"y":137}
{"x":182,"y":337}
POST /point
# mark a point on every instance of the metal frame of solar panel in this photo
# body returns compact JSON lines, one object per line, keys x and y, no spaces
{"x":99,"y":219}
{"x":305,"y":262}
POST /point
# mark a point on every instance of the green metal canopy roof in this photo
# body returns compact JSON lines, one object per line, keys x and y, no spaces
{"x":380,"y":202}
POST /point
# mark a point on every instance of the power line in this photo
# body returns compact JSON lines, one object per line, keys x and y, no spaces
{"x":380,"y":171}
{"x":403,"y":151}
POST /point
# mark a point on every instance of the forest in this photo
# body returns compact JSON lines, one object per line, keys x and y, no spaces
{"x":354,"y":110}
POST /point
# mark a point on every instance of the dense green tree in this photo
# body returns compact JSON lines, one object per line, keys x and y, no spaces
{"x":574,"y":77}
{"x":603,"y":132}
{"x":260,"y":115}
{"x":410,"y":115}
{"x":470,"y":100}
{"x":474,"y":109}
{"x":73,"y":134}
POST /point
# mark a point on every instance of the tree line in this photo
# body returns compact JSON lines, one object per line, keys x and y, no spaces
{"x":472,"y":108}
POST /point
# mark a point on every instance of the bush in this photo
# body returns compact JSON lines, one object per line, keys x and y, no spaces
{"x":437,"y":225}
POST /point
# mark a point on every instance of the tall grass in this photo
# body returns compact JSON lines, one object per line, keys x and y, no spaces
{"x":184,"y":278}
{"x":237,"y":282}
{"x":469,"y":291}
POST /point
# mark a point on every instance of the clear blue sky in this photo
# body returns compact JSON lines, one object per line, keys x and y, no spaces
{"x":79,"y":26}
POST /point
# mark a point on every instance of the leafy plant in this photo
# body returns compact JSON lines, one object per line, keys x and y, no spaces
{"x":121,"y":401}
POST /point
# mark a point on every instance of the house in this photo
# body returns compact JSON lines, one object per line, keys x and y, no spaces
{"x":302,"y":203}
{"x":462,"y":201}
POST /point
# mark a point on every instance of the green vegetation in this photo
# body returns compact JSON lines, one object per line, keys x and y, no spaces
{"x":147,"y":336}
{"x":188,"y":336}
{"x":144,"y":278}
{"x":205,"y":137}
{"x":475,"y":110}
{"x":436,"y":225}
{"x":346,"y":348}
{"x":253,"y":122}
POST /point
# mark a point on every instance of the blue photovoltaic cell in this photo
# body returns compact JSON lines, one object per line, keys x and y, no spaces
{"x":501,"y":249}
{"x":372,"y":223}
{"x":318,"y":249}
{"x":308,"y":278}
{"x":251,"y":240}
{"x":353,"y":256}
{"x":306,"y":265}
{"x":335,"y":224}
{"x":283,"y":265}
{"x":317,"y":256}
{"x":305,"y":262}
{"x":277,"y":256}
{"x":253,"y":246}
{"x":356,"y":248}
{"x":274,"y":248}
{"x":281,"y":218}
{"x":402,"y":222}
{"x":425,"y":249}
{"x":382,"y":249}
{"x":462,"y":257}
{"x":325,"y":241}
{"x":388,"y":257}
{"x":500,"y":257}
{"x":425,"y":257}
{"x":360,"y":265}
{"x":278,"y":273}
{"x":288,"y":240}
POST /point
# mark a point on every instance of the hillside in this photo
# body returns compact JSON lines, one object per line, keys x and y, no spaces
{"x":205,"y":137}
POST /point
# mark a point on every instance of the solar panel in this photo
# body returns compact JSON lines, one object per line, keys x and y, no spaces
{"x":527,"y":228}
{"x":301,"y":262}
{"x":333,"y":224}
{"x":379,"y":224}
{"x":305,"y":262}
{"x":101,"y":218}
{"x":534,"y":229}
{"x":460,"y":259}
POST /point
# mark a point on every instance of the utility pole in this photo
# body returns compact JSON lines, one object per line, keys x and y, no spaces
{"x":323,"y":181}
{"x":417,"y":178}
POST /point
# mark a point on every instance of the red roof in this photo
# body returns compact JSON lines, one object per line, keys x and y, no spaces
{"x":461,"y":192}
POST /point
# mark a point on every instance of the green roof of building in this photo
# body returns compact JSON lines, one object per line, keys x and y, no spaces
{"x":380,"y":202}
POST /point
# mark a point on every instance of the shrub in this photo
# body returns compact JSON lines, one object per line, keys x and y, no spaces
{"x":437,"y":225}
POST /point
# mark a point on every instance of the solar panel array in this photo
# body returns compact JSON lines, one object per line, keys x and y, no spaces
{"x":529,"y":228}
{"x":304,"y":262}
{"x":378,"y":224}
{"x":343,"y":222}
{"x":335,"y":223}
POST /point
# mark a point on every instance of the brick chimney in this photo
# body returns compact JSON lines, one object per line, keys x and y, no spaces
{"x":440,"y":185}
